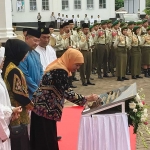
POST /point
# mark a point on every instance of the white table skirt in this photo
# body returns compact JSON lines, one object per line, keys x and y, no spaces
{"x":104,"y":132}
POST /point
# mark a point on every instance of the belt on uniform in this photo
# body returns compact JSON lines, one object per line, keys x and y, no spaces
{"x":101,"y":44}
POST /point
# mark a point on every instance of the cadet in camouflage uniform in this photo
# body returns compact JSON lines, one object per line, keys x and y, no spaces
{"x":129,"y":34}
{"x":136,"y":53}
{"x":103,"y":41}
{"x":85,"y":44}
{"x":115,"y":32}
{"x":121,"y":44}
{"x":146,"y":53}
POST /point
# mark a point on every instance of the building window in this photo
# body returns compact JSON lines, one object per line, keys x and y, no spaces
{"x":77,"y":4}
{"x":33,"y":5}
{"x":65,"y":4}
{"x":45,"y":4}
{"x":20,"y":5}
{"x":102,"y":4}
{"x":90,"y":4}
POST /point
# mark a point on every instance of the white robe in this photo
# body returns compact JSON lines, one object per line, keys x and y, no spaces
{"x":91,"y":21}
{"x":5,"y":116}
{"x":47,"y":55}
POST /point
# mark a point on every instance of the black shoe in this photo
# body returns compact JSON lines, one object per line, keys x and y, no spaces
{"x":75,"y":79}
{"x":59,"y":138}
{"x":106,"y":75}
{"x":89,"y":83}
{"x":119,"y":79}
{"x":100,"y":77}
{"x":84,"y":84}
{"x":124,"y":78}
{"x":146,"y":73}
{"x":72,"y":86}
{"x":137,"y":76}
{"x":91,"y":78}
{"x":134,"y":77}
{"x":113,"y":75}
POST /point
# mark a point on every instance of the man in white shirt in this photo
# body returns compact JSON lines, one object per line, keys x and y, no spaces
{"x":58,"y":20}
{"x":74,"y":20}
{"x":52,"y":19}
{"x":62,"y":19}
{"x":91,"y":21}
{"x":86,"y":19}
{"x":98,"y":19}
{"x":66,"y":19}
{"x":47,"y":53}
{"x":78,"y":21}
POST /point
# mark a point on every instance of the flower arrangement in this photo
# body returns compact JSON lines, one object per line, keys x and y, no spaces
{"x":138,"y":114}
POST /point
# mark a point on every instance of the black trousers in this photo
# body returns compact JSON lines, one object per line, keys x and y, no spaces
{"x":21,"y":143}
{"x":43,"y":133}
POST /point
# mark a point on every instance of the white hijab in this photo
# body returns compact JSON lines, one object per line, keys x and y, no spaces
{"x":4,"y":96}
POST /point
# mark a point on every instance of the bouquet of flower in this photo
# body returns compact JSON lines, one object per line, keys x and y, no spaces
{"x":137,"y":111}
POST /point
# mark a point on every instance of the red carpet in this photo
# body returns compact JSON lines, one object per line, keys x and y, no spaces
{"x":69,"y":126}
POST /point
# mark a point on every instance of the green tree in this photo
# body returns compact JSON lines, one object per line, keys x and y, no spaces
{"x":119,"y":4}
{"x":147,"y":9}
{"x":148,"y":3}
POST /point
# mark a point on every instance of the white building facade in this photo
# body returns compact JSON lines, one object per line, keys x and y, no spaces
{"x":135,"y":6}
{"x":24,"y":11}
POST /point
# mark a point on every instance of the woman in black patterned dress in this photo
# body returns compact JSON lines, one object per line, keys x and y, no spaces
{"x":49,"y":100}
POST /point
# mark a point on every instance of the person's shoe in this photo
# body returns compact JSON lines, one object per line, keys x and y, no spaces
{"x":75,"y":79}
{"x":73,"y":86}
{"x":59,"y":138}
{"x":113,"y":75}
{"x":106,"y":75}
{"x":124,"y":78}
{"x":89,"y":83}
{"x":100,"y":77}
{"x":84,"y":84}
{"x":91,"y":78}
{"x":137,"y":76}
{"x":119,"y":79}
{"x":134,"y":77}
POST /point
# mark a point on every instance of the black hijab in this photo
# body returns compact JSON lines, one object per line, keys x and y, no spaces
{"x":15,"y":51}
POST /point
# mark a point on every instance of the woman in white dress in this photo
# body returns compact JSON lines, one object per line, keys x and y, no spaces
{"x":6,"y":111}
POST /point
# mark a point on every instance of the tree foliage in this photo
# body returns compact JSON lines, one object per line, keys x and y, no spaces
{"x":119,"y":4}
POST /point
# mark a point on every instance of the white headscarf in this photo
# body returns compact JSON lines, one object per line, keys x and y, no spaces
{"x":4,"y":96}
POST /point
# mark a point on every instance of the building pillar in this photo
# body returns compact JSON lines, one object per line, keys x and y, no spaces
{"x":6,"y":30}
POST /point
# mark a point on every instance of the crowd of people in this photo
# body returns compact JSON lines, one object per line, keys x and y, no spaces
{"x":33,"y":82}
{"x":39,"y":68}
{"x":58,"y":20}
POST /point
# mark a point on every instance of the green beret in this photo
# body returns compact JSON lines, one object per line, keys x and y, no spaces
{"x":75,"y":28}
{"x":91,"y":27}
{"x":109,"y":21}
{"x":104,"y":22}
{"x":135,"y":28}
{"x":139,"y":22}
{"x":122,"y":24}
{"x":78,"y":29}
{"x":123,"y":28}
{"x":148,"y":28}
{"x":131,"y":23}
{"x":95,"y":24}
{"x":115,"y":23}
{"x":144,"y":21}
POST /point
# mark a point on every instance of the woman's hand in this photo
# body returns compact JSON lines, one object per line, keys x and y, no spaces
{"x":16,"y":112}
{"x":92,"y":97}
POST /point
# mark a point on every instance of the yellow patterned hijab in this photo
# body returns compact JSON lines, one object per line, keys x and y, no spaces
{"x":70,"y":57}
